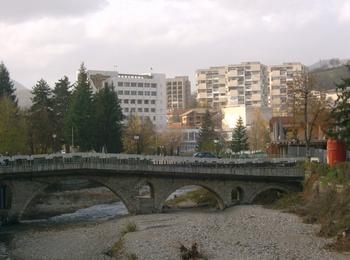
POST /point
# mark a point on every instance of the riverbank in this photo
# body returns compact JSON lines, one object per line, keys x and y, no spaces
{"x":239,"y":232}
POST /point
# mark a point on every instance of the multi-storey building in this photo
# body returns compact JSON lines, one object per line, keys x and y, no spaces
{"x":178,"y":92}
{"x":244,"y":84}
{"x":141,"y":94}
{"x":247,"y":84}
{"x":211,"y":87}
{"x":281,"y":76}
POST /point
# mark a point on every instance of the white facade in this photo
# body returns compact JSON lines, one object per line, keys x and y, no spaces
{"x":244,"y":84}
{"x":280,"y":77}
{"x":141,"y":94}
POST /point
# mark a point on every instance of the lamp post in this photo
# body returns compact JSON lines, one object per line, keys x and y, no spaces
{"x":137,"y":140}
{"x":216,"y":142}
{"x":54,"y":142}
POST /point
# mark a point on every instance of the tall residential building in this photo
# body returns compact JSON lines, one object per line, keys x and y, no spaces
{"x":141,"y":94}
{"x":211,"y":87}
{"x":247,"y":84}
{"x":178,"y":92}
{"x":244,"y":84}
{"x":280,"y":77}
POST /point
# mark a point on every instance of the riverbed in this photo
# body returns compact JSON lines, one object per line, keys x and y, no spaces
{"x":241,"y":232}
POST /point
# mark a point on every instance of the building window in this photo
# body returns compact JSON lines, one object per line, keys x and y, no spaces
{"x":146,"y":102}
{"x":153,"y":110}
{"x":146,"y":109}
{"x":146,"y":85}
{"x":126,"y":84}
{"x":139,"y":109}
{"x":120,"y":92}
{"x":147,"y":93}
{"x":120,"y":84}
{"x":140,"y":85}
{"x":132,"y":101}
{"x":126,"y":92}
{"x":140,"y":93}
{"x":126,"y":109}
{"x":139,"y":101}
{"x":133,"y":84}
{"x":153,"y":93}
{"x":153,"y":85}
{"x":153,"y":102}
{"x":132,"y":109}
{"x":133,"y":93}
{"x":126,"y":101}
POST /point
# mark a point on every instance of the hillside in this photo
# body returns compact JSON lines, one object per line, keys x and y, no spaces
{"x":328,"y":78}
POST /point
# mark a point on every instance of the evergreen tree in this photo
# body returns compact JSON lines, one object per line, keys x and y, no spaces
{"x":79,"y":119}
{"x":6,"y":85}
{"x":41,"y":118}
{"x":60,"y":103}
{"x":207,"y":135}
{"x":13,"y":129}
{"x":341,"y":112}
{"x":239,"y":137}
{"x":107,"y":120}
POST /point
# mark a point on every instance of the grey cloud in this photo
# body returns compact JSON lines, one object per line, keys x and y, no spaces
{"x":15,"y":11}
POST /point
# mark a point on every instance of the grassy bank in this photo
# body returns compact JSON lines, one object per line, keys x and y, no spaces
{"x":325,"y":200}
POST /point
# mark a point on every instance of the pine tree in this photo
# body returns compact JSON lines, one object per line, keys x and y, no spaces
{"x":239,"y":137}
{"x":41,"y":118}
{"x":79,"y":119}
{"x":13,"y":128}
{"x":60,"y":103}
{"x":107,"y":120}
{"x":207,"y":135}
{"x":341,"y":112}
{"x":6,"y":85}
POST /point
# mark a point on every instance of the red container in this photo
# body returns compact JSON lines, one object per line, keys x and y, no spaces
{"x":336,"y":152}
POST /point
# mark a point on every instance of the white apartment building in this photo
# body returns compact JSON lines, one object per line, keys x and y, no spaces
{"x":178,"y":92}
{"x":141,"y":94}
{"x":247,"y":84}
{"x":211,"y":87}
{"x":280,"y":77}
{"x":244,"y":84}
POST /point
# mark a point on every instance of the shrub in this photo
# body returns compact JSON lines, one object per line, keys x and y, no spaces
{"x":130,"y":227}
{"x":190,"y":253}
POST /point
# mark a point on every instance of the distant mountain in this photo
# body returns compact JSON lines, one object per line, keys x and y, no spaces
{"x":329,"y":64}
{"x":23,"y":94}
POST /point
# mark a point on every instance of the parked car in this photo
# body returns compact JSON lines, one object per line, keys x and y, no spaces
{"x":204,"y":155}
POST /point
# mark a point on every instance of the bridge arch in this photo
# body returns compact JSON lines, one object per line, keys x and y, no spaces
{"x":269,"y":188}
{"x":166,"y":195}
{"x":145,"y":190}
{"x":44,"y":185}
{"x":237,"y":195}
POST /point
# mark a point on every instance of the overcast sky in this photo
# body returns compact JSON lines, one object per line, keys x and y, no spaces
{"x":49,"y":39}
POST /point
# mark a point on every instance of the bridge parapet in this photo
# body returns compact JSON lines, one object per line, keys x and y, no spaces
{"x":151,"y":164}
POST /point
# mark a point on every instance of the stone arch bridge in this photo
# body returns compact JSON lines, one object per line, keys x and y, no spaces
{"x":24,"y":177}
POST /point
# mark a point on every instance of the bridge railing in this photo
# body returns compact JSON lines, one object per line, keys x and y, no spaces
{"x":127,"y":162}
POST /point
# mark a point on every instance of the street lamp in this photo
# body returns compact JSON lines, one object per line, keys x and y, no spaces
{"x":54,"y":142}
{"x":216,"y":142}
{"x":137,"y":140}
